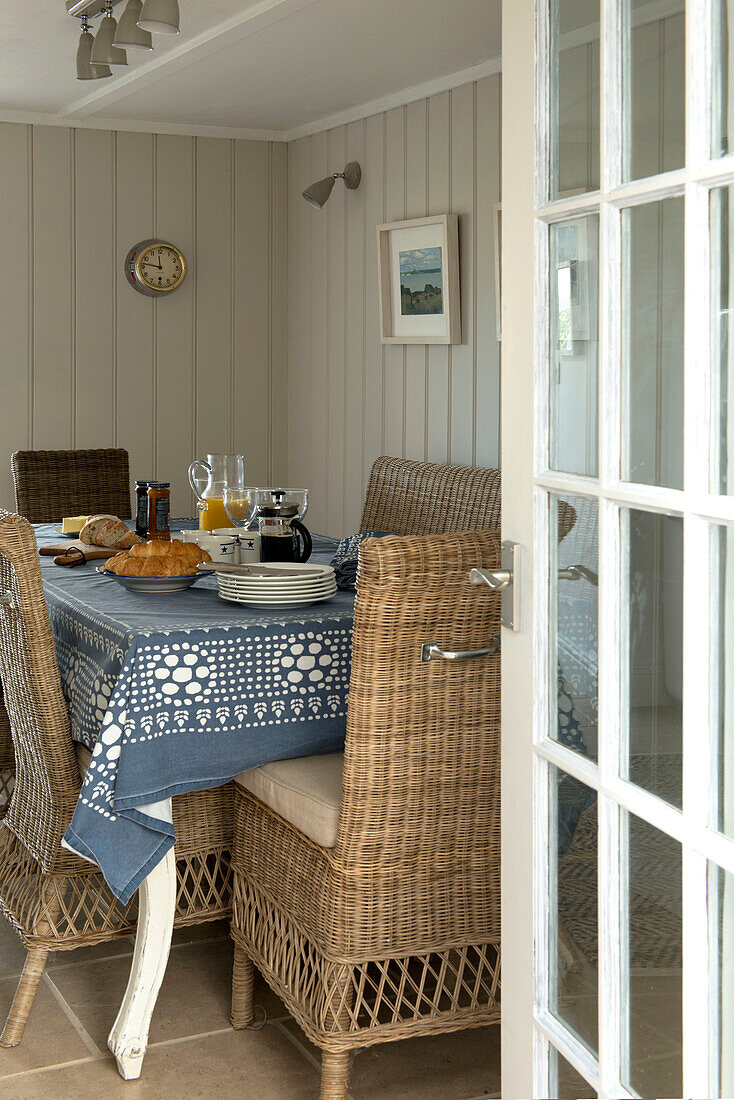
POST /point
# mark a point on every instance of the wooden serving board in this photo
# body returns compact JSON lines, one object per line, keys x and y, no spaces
{"x":69,"y":553}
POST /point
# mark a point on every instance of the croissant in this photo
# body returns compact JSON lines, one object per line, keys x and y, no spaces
{"x":170,"y":565}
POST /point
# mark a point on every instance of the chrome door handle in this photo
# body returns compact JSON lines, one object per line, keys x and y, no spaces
{"x":429,"y":650}
{"x":497,"y":580}
{"x":506,"y":580}
{"x":576,"y":572}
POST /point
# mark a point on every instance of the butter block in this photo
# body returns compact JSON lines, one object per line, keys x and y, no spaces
{"x":72,"y":525}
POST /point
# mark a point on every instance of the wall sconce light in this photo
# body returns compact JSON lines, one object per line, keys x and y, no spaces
{"x":318,"y":193}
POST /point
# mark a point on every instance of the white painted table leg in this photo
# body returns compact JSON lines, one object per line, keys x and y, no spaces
{"x":128,"y":1039}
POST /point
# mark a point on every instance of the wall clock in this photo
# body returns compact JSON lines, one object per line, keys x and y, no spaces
{"x":155,"y":267}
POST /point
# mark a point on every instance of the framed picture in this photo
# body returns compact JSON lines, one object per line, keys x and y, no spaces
{"x":418,"y":263}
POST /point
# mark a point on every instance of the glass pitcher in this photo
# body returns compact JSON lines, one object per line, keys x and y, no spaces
{"x":209,"y":480}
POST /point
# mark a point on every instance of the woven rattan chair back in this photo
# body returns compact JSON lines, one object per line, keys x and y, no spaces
{"x":47,"y":775}
{"x":7,"y":758}
{"x":53,"y":484}
{"x":433,"y":799}
{"x":425,"y":498}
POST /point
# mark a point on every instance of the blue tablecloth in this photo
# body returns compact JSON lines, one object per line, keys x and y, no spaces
{"x":181,"y":692}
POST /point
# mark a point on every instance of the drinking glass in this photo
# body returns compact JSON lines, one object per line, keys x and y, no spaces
{"x":239,"y":504}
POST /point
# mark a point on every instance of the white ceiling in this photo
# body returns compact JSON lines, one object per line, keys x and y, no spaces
{"x":276,"y":66}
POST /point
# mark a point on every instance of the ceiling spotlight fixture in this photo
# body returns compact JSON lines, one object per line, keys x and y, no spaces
{"x":84,"y":68}
{"x":318,"y":193}
{"x":104,"y":50}
{"x":129,"y":35}
{"x":160,"y":16}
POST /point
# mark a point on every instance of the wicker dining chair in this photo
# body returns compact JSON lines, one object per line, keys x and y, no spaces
{"x":367,"y":887}
{"x":53,"y":899}
{"x":52,"y":484}
{"x":48,"y":486}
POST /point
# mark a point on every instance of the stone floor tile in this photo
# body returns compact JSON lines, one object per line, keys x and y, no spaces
{"x":245,"y":1065}
{"x":453,"y":1066}
{"x":49,"y":1037}
{"x":194,"y":997}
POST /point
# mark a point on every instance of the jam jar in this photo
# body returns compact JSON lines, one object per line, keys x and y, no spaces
{"x":141,"y":509}
{"x":159,"y":510}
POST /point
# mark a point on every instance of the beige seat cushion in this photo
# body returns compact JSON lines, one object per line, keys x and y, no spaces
{"x":307,"y":792}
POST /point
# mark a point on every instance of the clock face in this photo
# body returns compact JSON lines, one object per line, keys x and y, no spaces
{"x":160,"y":266}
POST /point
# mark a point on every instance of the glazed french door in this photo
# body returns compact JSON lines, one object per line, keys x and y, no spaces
{"x":618,"y":480}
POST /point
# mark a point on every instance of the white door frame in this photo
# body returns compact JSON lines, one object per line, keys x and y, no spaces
{"x":529,"y":1027}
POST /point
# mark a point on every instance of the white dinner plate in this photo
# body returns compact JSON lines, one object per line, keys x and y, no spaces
{"x":248,"y":601}
{"x":271,"y":571}
{"x":272,"y":594}
{"x":272,"y":589}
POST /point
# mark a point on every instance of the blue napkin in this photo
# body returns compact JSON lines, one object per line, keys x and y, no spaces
{"x":346,"y":559}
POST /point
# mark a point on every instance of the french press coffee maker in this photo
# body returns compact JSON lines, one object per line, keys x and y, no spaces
{"x":282,"y":535}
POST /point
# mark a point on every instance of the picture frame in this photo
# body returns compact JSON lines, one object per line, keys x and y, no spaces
{"x":418,"y":269}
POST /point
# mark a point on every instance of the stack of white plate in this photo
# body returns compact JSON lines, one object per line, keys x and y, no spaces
{"x":275,"y":585}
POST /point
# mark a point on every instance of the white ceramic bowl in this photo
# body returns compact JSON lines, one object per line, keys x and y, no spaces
{"x":152,"y":585}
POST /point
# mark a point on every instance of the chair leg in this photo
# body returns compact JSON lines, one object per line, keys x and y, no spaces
{"x":243,"y":978}
{"x":25,"y":995}
{"x":334,"y":1075}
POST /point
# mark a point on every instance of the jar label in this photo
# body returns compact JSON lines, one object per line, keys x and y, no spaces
{"x":141,"y":522}
{"x":163,"y":514}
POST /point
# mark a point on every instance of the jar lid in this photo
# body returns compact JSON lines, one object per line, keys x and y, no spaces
{"x":159,"y":485}
{"x":146,"y":483}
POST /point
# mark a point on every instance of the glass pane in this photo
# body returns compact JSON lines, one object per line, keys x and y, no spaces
{"x":655,"y":954}
{"x":568,"y":1084}
{"x":574,"y":603}
{"x":574,"y":344}
{"x":722,"y":123}
{"x":654,"y":603}
{"x":722,"y":307}
{"x":722,"y":649}
{"x":653,"y":343}
{"x":721,"y":911}
{"x":654,"y":78}
{"x":574,"y":97}
{"x":575,"y":979}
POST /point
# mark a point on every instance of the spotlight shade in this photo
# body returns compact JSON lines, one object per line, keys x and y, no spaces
{"x":318,"y":193}
{"x":104,"y":51}
{"x":160,"y":17}
{"x":129,"y":35}
{"x":84,"y":69}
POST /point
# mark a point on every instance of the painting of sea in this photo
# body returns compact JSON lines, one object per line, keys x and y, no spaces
{"x":421,"y":283}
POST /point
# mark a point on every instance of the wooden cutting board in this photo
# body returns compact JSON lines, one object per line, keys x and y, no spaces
{"x":75,"y":552}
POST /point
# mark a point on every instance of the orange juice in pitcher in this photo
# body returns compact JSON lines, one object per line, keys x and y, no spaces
{"x":209,"y":480}
{"x":212,"y":514}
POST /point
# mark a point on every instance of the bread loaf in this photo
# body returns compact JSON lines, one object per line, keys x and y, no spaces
{"x":108,"y":531}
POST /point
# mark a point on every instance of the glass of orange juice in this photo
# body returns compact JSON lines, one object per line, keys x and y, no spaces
{"x":238,"y":504}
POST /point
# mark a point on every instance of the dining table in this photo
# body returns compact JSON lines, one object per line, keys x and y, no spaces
{"x":173,"y":693}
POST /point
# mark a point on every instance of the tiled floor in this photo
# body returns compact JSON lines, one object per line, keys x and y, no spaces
{"x":193,"y":1051}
